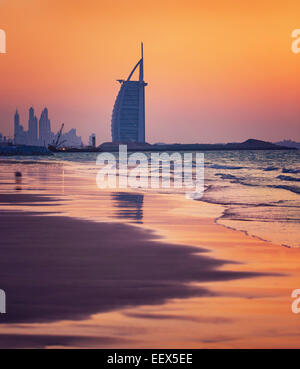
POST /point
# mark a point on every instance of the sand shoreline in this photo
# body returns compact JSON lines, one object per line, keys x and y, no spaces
{"x":217,"y":307}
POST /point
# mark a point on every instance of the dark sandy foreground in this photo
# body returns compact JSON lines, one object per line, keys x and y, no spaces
{"x":58,"y":268}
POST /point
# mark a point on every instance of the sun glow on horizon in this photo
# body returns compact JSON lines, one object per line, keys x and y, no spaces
{"x":219,"y":71}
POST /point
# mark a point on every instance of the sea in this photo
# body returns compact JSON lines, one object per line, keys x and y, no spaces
{"x":258,"y":192}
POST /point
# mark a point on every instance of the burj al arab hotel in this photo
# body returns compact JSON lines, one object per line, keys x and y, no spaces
{"x":128,"y":117}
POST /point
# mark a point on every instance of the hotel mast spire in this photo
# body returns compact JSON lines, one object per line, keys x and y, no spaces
{"x":141,"y":79}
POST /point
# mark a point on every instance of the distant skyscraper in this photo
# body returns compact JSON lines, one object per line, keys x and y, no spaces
{"x":45,"y":134}
{"x":32,"y":128}
{"x":20,"y":136}
{"x":44,"y":137}
{"x":92,"y":140}
{"x":70,"y":139}
{"x":128,"y":118}
{"x":16,"y":127}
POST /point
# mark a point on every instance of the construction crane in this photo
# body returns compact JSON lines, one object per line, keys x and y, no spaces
{"x":57,"y":143}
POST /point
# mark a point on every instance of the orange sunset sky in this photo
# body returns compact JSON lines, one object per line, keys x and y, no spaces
{"x":217,"y":70}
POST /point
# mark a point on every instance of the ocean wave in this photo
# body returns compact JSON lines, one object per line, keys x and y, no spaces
{"x":292,"y":171}
{"x":288,"y":178}
{"x":217,"y":166}
{"x":29,"y":162}
{"x":226,"y":176}
{"x":269,"y":169}
{"x":293,"y":189}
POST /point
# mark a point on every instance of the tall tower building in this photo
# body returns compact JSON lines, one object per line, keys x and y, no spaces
{"x":32,"y":128}
{"x":16,"y":127}
{"x":44,"y":129}
{"x":128,"y":117}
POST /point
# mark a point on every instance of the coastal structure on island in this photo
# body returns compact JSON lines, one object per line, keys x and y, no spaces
{"x":128,"y":117}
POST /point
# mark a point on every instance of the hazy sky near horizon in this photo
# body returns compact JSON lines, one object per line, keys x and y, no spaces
{"x":217,"y":71}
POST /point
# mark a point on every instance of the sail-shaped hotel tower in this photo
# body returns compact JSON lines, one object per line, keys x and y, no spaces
{"x":128,"y":117}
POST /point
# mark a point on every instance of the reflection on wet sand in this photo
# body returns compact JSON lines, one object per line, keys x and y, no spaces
{"x":129,"y":205}
{"x":18,"y":177}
